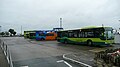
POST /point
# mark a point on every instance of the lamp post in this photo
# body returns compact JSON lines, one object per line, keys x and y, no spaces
{"x":0,"y":28}
{"x":119,"y":28}
{"x":102,"y":25}
{"x":119,"y":21}
{"x":60,"y":22}
{"x":21,"y":29}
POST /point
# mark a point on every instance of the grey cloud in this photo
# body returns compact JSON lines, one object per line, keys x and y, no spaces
{"x":45,"y":14}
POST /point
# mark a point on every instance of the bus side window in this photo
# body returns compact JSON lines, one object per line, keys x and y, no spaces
{"x":66,"y":34}
{"x":41,"y":34}
{"x":49,"y":34}
{"x":90,"y":34}
{"x":81,"y":34}
{"x":97,"y":34}
{"x":70,"y":35}
{"x":85,"y":34}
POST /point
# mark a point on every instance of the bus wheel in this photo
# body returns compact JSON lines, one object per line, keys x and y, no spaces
{"x":42,"y":39}
{"x":89,"y":42}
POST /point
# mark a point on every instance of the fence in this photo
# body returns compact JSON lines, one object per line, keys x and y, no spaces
{"x":6,"y":52}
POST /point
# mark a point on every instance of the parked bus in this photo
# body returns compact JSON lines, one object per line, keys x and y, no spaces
{"x":29,"y":34}
{"x":89,"y":35}
{"x":25,"y":34}
{"x":32,"y":35}
{"x":42,"y":34}
{"x":46,"y":35}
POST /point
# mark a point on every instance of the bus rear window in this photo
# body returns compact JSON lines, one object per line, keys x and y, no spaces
{"x":49,"y":34}
{"x":42,"y":34}
{"x":32,"y":34}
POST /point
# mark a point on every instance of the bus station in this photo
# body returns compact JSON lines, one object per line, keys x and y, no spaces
{"x":89,"y":36}
{"x":59,"y":33}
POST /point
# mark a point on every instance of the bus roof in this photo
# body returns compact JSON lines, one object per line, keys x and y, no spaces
{"x":89,"y":27}
{"x":37,"y":30}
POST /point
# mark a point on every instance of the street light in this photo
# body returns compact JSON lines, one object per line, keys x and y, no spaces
{"x":0,"y":28}
{"x":119,"y":21}
{"x":119,"y":28}
{"x":21,"y":29}
{"x":60,"y":22}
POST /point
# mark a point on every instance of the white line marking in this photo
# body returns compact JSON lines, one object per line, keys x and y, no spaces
{"x":67,"y":64}
{"x":23,"y":66}
{"x":76,"y":61}
{"x":64,"y":62}
{"x":11,"y":62}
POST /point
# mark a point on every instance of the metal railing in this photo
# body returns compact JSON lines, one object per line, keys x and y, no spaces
{"x":6,"y":52}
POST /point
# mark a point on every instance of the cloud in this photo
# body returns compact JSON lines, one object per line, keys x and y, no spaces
{"x":45,"y":14}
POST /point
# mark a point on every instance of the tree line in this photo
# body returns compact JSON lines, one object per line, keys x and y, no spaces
{"x":10,"y":32}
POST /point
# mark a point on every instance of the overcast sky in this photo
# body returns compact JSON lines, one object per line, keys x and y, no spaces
{"x":45,"y":14}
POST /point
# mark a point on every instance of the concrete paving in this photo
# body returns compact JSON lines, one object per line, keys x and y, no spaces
{"x":37,"y":53}
{"x":88,"y":58}
{"x":26,"y":52}
{"x":84,"y":59}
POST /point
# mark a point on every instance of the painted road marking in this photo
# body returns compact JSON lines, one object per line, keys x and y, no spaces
{"x":23,"y":66}
{"x":76,"y":61}
{"x":98,"y":50}
{"x":64,"y":62}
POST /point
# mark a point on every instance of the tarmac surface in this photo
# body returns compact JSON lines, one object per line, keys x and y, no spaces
{"x":3,"y":60}
{"x":88,"y":58}
{"x":26,"y":52}
{"x":31,"y":53}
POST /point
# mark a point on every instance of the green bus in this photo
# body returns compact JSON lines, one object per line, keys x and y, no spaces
{"x":29,"y":34}
{"x":26,"y":34}
{"x":88,"y":35}
{"x":32,"y":35}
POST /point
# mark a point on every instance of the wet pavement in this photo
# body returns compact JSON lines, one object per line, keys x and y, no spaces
{"x":42,"y":62}
{"x":81,"y":58}
{"x":3,"y":60}
{"x":88,"y":58}
{"x":26,"y":52}
{"x":38,"y":53}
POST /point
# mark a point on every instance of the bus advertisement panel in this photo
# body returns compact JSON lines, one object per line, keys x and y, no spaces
{"x":45,"y":35}
{"x":42,"y":34}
